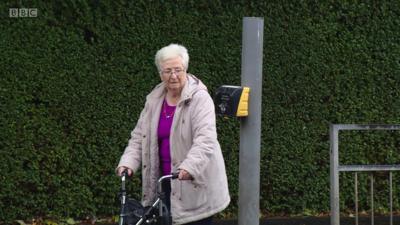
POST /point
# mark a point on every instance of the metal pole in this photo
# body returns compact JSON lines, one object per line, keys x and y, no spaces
{"x":250,"y":127}
{"x":372,"y":200}
{"x":334,"y":174}
{"x":356,"y":194}
{"x":391,"y":196}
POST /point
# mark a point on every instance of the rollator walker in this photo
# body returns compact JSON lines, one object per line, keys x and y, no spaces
{"x":134,"y":213}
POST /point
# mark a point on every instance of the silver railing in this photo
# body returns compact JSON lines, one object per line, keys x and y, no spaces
{"x":335,"y":168}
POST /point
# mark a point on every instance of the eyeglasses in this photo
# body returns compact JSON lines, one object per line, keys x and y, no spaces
{"x":168,"y":72}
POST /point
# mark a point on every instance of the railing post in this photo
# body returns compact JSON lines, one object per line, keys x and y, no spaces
{"x":356,"y":194}
{"x":372,"y":200}
{"x":391,"y":196}
{"x":334,"y":174}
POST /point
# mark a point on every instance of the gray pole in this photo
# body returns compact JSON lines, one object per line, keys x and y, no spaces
{"x":250,"y":127}
{"x":334,"y":174}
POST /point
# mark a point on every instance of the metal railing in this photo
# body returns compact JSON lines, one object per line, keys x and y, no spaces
{"x":335,"y":168}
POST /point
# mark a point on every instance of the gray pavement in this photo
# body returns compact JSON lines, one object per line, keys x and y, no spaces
{"x":364,"y":220}
{"x":379,"y":220}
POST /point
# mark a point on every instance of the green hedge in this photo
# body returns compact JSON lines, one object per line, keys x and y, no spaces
{"x":74,"y":79}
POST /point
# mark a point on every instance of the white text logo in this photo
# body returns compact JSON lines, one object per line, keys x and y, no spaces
{"x":23,"y":12}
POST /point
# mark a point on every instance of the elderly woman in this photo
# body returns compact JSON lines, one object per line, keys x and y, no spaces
{"x":176,"y":132}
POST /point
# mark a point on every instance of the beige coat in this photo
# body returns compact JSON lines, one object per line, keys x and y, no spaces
{"x":194,"y":147}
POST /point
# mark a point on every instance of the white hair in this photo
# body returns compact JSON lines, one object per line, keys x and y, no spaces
{"x":172,"y":51}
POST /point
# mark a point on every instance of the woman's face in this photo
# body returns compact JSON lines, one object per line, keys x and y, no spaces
{"x":173,"y":74}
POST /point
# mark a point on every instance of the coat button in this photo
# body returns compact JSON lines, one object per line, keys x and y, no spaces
{"x":144,"y":166}
{"x":144,"y":136}
{"x":173,"y":193}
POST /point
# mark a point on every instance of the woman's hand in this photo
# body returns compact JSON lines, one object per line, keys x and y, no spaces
{"x":122,"y":169}
{"x":184,"y":175}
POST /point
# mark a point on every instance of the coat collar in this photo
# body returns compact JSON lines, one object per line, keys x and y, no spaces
{"x":193,"y":84}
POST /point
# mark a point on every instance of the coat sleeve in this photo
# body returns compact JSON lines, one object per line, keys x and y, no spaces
{"x":132,"y":156}
{"x":204,"y":135}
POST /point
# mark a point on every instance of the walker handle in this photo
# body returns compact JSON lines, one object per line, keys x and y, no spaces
{"x":124,"y":173}
{"x":171,"y":176}
{"x":175,"y":175}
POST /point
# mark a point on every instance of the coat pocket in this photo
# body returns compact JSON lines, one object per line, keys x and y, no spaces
{"x":192,"y":196}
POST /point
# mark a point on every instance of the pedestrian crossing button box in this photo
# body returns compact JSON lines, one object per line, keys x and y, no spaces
{"x":232,"y":101}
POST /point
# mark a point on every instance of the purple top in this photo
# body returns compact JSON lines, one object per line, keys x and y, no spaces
{"x":164,"y":130}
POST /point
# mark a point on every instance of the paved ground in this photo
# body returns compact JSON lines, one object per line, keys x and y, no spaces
{"x":315,"y":221}
{"x":379,"y":220}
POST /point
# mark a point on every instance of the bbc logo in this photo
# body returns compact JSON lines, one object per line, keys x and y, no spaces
{"x":23,"y":12}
